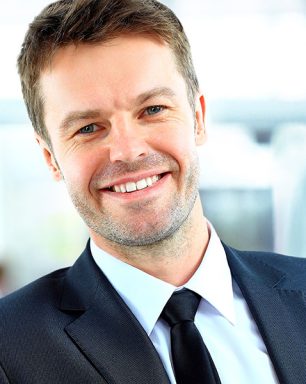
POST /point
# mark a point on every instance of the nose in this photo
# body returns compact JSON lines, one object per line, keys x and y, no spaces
{"x":128,"y":142}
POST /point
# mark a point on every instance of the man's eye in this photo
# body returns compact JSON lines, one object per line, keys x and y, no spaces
{"x":90,"y":128}
{"x":154,"y":109}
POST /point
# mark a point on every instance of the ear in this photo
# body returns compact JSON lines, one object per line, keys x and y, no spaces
{"x":200,"y":133}
{"x":49,"y":158}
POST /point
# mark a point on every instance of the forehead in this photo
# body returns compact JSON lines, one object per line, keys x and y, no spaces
{"x":125,"y":51}
{"x":120,"y":68}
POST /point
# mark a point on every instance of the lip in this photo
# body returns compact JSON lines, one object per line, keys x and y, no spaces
{"x":148,"y":192}
{"x":133,"y":178}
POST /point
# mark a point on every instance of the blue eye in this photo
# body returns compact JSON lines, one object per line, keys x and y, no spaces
{"x":154,"y":109}
{"x":90,"y":128}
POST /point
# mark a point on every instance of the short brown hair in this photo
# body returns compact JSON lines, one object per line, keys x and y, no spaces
{"x":93,"y":21}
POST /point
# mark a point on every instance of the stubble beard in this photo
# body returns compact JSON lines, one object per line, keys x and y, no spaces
{"x":143,"y":233}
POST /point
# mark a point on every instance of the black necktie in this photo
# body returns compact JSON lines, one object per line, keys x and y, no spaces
{"x":191,"y":359}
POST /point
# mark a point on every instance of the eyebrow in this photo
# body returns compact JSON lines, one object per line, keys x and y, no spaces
{"x":155,"y":92}
{"x":79,"y":116}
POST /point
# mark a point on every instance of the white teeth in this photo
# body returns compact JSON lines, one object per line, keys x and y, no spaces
{"x":141,"y":184}
{"x":138,"y":185}
{"x":122,"y":188}
{"x":149,"y":181}
{"x":131,"y":187}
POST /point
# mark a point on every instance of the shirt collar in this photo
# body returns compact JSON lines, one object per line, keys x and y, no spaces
{"x":146,"y":295}
{"x":213,"y":280}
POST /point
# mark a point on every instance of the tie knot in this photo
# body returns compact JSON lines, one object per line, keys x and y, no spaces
{"x":181,"y":306}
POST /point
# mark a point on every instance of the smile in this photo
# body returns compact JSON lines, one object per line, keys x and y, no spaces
{"x":135,"y":186}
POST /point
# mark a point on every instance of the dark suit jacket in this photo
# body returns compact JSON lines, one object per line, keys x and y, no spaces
{"x":71,"y":327}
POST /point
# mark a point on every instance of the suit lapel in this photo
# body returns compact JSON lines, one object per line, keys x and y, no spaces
{"x":106,"y":331}
{"x":278,"y":311}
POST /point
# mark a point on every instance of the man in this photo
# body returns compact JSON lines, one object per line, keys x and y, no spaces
{"x":115,"y":103}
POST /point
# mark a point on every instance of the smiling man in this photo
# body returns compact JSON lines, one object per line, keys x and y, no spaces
{"x":155,"y":297}
{"x":124,"y":140}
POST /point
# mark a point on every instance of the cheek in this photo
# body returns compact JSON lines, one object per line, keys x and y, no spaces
{"x":178,"y":143}
{"x":79,"y":168}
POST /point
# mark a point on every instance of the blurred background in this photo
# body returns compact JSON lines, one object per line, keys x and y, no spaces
{"x":251,"y":61}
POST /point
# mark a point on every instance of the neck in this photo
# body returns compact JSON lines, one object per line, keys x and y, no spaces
{"x":174,"y":259}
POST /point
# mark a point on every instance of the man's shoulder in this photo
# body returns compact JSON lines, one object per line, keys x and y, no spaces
{"x":35,"y":296}
{"x":272,"y":257}
{"x":48,"y":289}
{"x":275,"y":260}
{"x":263,"y":265}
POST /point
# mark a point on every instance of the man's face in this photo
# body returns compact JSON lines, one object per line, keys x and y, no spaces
{"x":124,"y":137}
